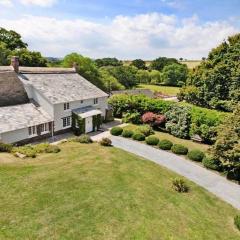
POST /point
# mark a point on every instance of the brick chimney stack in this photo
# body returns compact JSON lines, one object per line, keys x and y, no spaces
{"x":15,"y":63}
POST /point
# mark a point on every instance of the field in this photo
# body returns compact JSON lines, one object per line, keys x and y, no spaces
{"x":92,"y":192}
{"x":191,"y":63}
{"x":171,"y":91}
{"x":188,"y":143}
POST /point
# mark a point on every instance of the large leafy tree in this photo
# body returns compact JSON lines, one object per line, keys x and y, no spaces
{"x":139,"y":63}
{"x":227,"y":145}
{"x":216,"y":82}
{"x":103,"y":62}
{"x":161,"y":62}
{"x":4,"y":53}
{"x":12,"y":39}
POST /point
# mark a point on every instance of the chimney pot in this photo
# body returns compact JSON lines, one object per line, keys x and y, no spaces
{"x":15,"y":63}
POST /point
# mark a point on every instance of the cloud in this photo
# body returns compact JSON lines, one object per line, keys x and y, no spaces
{"x":42,"y":3}
{"x":6,"y":3}
{"x":144,"y":36}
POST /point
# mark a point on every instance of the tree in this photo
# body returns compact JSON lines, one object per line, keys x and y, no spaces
{"x":174,"y":75}
{"x":103,"y":62}
{"x":143,"y":76}
{"x":217,"y":79}
{"x":227,"y":145}
{"x":86,"y":68}
{"x":29,"y":58}
{"x":12,"y":39}
{"x":139,"y":63}
{"x":126,"y":75}
{"x":161,"y":62}
{"x":4,"y":53}
{"x":155,"y":77}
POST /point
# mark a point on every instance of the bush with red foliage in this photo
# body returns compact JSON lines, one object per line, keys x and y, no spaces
{"x":153,"y":119}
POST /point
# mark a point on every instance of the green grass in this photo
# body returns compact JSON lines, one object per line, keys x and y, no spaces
{"x":188,"y":143}
{"x":171,"y":91}
{"x":93,"y":192}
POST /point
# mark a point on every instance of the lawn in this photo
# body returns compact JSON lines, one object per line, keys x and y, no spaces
{"x":171,"y":91}
{"x":92,"y":192}
{"x":188,"y":143}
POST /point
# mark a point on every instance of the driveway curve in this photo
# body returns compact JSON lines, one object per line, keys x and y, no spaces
{"x":214,"y":183}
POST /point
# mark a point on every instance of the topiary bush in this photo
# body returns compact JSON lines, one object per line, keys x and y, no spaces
{"x":4,"y":147}
{"x":179,"y":185}
{"x":127,"y":133}
{"x":105,"y":142}
{"x":53,"y":149}
{"x":138,"y":136}
{"x":211,"y":163}
{"x":116,"y":131}
{"x":179,"y":149}
{"x":165,"y":144}
{"x":196,"y":155}
{"x":152,"y":140}
{"x":237,"y":221}
{"x":146,"y":130}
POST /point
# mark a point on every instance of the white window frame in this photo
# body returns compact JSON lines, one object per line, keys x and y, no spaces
{"x":32,"y":131}
{"x":66,"y":122}
{"x":66,"y":106}
{"x":95,"y":101}
{"x":44,"y":128}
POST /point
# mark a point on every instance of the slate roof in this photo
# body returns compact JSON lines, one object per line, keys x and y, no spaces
{"x":22,"y":116}
{"x":62,"y":86}
{"x":12,"y":91}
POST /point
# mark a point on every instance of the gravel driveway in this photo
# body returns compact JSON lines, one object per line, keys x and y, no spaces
{"x":214,"y":183}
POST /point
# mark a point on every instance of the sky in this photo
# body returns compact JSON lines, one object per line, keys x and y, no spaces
{"x":126,"y":29}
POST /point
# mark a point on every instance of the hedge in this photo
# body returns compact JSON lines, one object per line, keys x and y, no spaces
{"x":179,"y":149}
{"x":4,"y":147}
{"x":211,"y":163}
{"x":138,"y":136}
{"x":152,"y":140}
{"x":127,"y":133}
{"x":116,"y":131}
{"x":165,"y":144}
{"x":196,"y":155}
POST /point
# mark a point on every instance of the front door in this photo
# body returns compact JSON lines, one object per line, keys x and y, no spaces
{"x":88,"y":125}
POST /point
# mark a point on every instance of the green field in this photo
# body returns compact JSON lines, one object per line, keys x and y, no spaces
{"x":92,"y":192}
{"x":171,"y":91}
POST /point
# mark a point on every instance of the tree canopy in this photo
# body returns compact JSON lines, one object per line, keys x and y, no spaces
{"x":216,"y":82}
{"x":139,"y":63}
{"x":103,"y":62}
{"x":161,"y":62}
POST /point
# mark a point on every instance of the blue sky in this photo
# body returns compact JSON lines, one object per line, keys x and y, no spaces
{"x":124,"y":29}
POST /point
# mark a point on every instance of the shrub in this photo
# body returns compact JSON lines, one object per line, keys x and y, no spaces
{"x":41,"y":148}
{"x":152,"y":140}
{"x":237,"y":221}
{"x":211,"y":163}
{"x":84,"y":139}
{"x":146,"y":130}
{"x":127,"y":133}
{"x":116,"y":131}
{"x":132,"y":117}
{"x":4,"y":147}
{"x":138,"y":136}
{"x":105,"y":142}
{"x":165,"y":144}
{"x":153,"y":119}
{"x":179,"y":185}
{"x":53,"y":149}
{"x":27,"y":150}
{"x":179,"y":149}
{"x":196,"y":155}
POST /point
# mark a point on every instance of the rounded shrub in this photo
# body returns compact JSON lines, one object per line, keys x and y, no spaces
{"x":116,"y":131}
{"x":211,"y":163}
{"x":152,"y":140}
{"x":127,"y":133}
{"x":4,"y":147}
{"x":165,"y":144}
{"x":138,"y":136}
{"x":84,"y":139}
{"x":105,"y":142}
{"x":179,"y":149}
{"x":196,"y":155}
{"x":237,"y":222}
{"x":53,"y":149}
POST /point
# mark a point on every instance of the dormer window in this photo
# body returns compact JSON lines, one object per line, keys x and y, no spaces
{"x":95,"y":101}
{"x":66,"y":106}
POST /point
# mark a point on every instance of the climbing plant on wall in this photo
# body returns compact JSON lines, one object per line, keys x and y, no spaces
{"x":78,"y":124}
{"x":97,"y":121}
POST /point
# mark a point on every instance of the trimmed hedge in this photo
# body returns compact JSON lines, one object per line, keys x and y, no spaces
{"x":211,"y":163}
{"x":196,"y":155}
{"x":138,"y":136}
{"x":165,"y":144}
{"x":116,"y":131}
{"x":127,"y":133}
{"x":152,"y":140}
{"x":179,"y":149}
{"x":237,"y":221}
{"x":106,"y":142}
{"x":4,"y":147}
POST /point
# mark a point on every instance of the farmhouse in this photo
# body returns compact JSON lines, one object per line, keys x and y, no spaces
{"x":41,"y":102}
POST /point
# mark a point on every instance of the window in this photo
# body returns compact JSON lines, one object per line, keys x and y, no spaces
{"x":32,"y":131}
{"x":44,"y":127}
{"x":66,"y":106}
{"x":81,"y":101}
{"x":66,"y":121}
{"x":95,"y":101}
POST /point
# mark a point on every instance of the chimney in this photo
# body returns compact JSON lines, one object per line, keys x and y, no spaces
{"x":15,"y":63}
{"x":75,"y":66}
